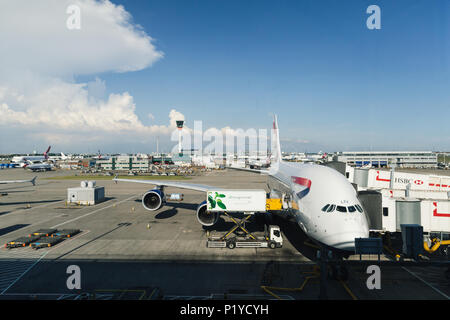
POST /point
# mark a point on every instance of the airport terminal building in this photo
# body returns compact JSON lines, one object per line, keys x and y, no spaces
{"x":399,"y":159}
{"x":124,"y":163}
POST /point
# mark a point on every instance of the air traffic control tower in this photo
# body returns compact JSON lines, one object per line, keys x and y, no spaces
{"x":180,"y":124}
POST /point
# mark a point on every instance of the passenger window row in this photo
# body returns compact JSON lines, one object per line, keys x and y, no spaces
{"x":332,"y":207}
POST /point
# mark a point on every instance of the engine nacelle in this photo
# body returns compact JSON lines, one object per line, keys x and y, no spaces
{"x":153,"y":199}
{"x":205,"y":217}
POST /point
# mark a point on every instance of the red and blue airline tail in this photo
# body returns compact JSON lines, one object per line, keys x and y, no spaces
{"x":46,"y":152}
{"x":304,"y":182}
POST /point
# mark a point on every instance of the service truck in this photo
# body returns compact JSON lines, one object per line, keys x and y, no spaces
{"x":272,"y":239}
{"x":248,"y":202}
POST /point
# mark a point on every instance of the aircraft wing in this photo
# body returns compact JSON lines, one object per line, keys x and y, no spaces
{"x":33,"y":181}
{"x":249,"y":170}
{"x":174,"y":184}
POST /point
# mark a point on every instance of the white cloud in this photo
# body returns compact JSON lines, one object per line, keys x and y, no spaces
{"x":295,"y":141}
{"x":40,"y":58}
{"x":35,"y":38}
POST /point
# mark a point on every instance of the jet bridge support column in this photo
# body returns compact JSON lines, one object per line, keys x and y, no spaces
{"x":323,"y":260}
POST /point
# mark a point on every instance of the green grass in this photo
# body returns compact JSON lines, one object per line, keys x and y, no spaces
{"x":101,"y":177}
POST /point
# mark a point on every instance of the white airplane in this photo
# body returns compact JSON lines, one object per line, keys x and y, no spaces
{"x":33,"y":181}
{"x":101,"y":157}
{"x":320,"y":199}
{"x":66,"y":157}
{"x":28,"y":160}
{"x":38,"y":166}
{"x":34,"y":159}
{"x":259,"y":163}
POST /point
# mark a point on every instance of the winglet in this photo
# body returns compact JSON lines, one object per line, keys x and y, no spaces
{"x":33,"y":181}
{"x":114,"y":179}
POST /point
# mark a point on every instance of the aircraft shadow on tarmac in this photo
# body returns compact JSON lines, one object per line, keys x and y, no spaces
{"x":224,"y":225}
{"x":291,"y":231}
{"x":171,"y":209}
{"x":297,"y":237}
{"x":12,"y":228}
{"x":166,"y":214}
{"x":28,"y":202}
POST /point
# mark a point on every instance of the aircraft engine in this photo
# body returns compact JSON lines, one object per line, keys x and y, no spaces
{"x":206,"y":218}
{"x":153,"y":199}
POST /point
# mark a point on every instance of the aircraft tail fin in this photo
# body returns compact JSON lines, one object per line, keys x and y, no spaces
{"x":276,"y":147}
{"x":46,"y":152}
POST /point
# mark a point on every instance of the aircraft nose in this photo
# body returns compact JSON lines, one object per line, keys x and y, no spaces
{"x":347,"y":245}
{"x":346,"y":241}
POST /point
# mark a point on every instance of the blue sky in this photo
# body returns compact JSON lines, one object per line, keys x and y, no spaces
{"x":333,"y":82}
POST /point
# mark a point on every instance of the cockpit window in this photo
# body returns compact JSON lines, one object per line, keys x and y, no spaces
{"x":332,"y":207}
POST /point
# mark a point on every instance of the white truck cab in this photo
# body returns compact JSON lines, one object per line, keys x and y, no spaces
{"x":275,"y":237}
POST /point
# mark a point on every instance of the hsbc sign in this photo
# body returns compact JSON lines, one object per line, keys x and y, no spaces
{"x":410,"y":181}
{"x":402,"y":180}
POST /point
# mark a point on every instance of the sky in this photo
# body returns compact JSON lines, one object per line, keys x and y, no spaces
{"x":134,"y":67}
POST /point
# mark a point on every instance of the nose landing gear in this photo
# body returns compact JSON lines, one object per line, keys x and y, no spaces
{"x":338,"y":272}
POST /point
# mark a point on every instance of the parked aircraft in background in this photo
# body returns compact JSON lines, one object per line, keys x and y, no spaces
{"x":23,"y":160}
{"x":39,"y":166}
{"x":320,"y":199}
{"x":100,"y":157}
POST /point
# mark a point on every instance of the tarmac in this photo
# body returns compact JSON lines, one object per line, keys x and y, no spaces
{"x":125,"y":251}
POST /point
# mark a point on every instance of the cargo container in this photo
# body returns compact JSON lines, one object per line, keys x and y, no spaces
{"x":236,"y":200}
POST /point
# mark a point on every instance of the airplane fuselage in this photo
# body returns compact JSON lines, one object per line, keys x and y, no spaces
{"x":310,"y":188}
{"x":39,"y":167}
